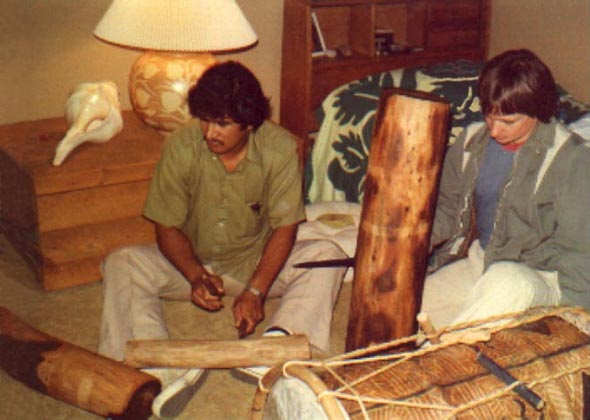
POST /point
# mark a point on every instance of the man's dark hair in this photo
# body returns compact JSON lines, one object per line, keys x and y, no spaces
{"x":517,"y":81}
{"x":229,"y":89}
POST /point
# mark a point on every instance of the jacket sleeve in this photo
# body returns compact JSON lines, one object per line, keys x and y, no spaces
{"x":449,"y":201}
{"x":572,"y":234}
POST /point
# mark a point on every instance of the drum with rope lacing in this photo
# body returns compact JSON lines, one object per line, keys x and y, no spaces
{"x":534,"y":364}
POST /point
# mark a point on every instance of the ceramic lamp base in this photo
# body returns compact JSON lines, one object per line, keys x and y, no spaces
{"x":159,"y":84}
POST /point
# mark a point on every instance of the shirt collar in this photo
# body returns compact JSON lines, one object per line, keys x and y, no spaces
{"x":544,"y":134}
{"x":541,"y":138}
{"x":254,"y":154}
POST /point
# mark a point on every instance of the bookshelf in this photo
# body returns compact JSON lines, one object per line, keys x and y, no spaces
{"x":360,"y":33}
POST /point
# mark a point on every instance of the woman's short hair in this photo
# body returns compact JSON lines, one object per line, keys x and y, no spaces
{"x":517,"y":81}
{"x":229,"y":89}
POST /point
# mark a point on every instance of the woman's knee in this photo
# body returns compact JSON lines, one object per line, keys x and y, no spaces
{"x":510,"y":277}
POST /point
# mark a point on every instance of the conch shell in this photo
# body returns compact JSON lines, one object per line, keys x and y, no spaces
{"x":94,"y":114}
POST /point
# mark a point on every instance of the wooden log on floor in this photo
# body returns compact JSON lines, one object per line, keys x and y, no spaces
{"x":72,"y":374}
{"x":405,"y":159}
{"x":265,"y":351}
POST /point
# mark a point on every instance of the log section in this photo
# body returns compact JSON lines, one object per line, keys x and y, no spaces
{"x":406,"y":155}
{"x":72,"y":374}
{"x":266,"y":351}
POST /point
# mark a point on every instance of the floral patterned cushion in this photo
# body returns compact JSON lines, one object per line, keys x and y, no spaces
{"x":338,"y":163}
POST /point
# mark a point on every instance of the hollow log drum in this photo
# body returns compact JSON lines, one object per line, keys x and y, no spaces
{"x":547,"y":350}
{"x":73,"y":374}
{"x":407,"y":150}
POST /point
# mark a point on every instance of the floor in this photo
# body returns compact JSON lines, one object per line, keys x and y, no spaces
{"x":73,"y":315}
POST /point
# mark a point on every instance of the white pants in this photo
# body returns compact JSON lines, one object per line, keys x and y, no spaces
{"x":135,"y":278}
{"x":462,"y":291}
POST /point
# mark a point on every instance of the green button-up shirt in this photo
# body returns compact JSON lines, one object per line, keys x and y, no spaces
{"x":228,"y":216}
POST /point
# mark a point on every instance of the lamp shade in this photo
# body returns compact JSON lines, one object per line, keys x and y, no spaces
{"x":176,"y":25}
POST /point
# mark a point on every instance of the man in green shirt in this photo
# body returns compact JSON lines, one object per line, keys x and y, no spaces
{"x":225,"y":200}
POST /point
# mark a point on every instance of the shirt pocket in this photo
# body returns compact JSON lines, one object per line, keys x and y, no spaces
{"x":253,"y":211}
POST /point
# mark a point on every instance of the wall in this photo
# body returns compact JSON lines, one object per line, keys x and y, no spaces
{"x":48,"y":48}
{"x":558,"y":31}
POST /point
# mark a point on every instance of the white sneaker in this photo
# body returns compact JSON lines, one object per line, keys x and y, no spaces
{"x":175,"y":395}
{"x":166,"y":375}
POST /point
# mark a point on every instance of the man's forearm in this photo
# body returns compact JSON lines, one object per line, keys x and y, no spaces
{"x":178,"y":249}
{"x":275,"y":253}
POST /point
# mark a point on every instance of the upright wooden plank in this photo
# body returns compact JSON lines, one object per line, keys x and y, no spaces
{"x":296,"y":67}
{"x":400,"y":193}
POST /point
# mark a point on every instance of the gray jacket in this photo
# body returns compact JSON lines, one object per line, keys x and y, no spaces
{"x":543,"y":216}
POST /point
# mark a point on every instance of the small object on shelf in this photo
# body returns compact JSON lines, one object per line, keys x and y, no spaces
{"x":344,"y":51}
{"x":385,"y":43}
{"x":318,"y":38}
{"x":384,"y":39}
{"x":425,"y":31}
{"x":326,"y":53}
{"x":319,"y":45}
{"x":398,"y":48}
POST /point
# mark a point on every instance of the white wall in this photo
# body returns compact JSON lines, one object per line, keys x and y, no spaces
{"x":556,"y":30}
{"x":48,"y":48}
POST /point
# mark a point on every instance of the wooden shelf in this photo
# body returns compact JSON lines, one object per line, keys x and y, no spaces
{"x":436,"y":30}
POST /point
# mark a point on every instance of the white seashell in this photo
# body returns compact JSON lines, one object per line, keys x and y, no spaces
{"x":94,"y":114}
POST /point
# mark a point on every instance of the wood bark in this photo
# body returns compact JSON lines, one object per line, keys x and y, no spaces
{"x":405,"y":158}
{"x":266,"y":351}
{"x":72,"y":374}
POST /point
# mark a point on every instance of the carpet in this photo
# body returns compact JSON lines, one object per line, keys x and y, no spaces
{"x":73,"y":315}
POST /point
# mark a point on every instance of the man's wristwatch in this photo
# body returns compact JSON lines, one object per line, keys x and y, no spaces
{"x":256,"y":292}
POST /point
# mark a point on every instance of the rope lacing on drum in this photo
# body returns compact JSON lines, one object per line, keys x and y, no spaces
{"x":347,"y":392}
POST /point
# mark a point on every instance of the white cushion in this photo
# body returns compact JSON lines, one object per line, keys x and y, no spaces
{"x":334,"y":221}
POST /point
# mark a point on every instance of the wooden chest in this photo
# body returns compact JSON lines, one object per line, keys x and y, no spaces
{"x":64,"y":220}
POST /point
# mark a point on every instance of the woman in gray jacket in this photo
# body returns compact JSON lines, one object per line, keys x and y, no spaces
{"x":512,"y":225}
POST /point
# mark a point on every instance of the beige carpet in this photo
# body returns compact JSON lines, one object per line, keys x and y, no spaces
{"x":73,"y":315}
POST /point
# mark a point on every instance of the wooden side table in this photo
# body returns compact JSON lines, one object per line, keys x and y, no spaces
{"x":64,"y":220}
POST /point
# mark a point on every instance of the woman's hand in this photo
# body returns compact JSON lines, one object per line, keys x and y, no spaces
{"x":207,"y":291}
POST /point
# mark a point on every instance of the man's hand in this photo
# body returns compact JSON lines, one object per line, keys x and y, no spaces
{"x":206,"y":288}
{"x":207,"y":291}
{"x":248,"y":308}
{"x":248,"y":311}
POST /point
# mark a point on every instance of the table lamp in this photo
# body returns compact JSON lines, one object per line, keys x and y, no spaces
{"x":179,"y":37}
